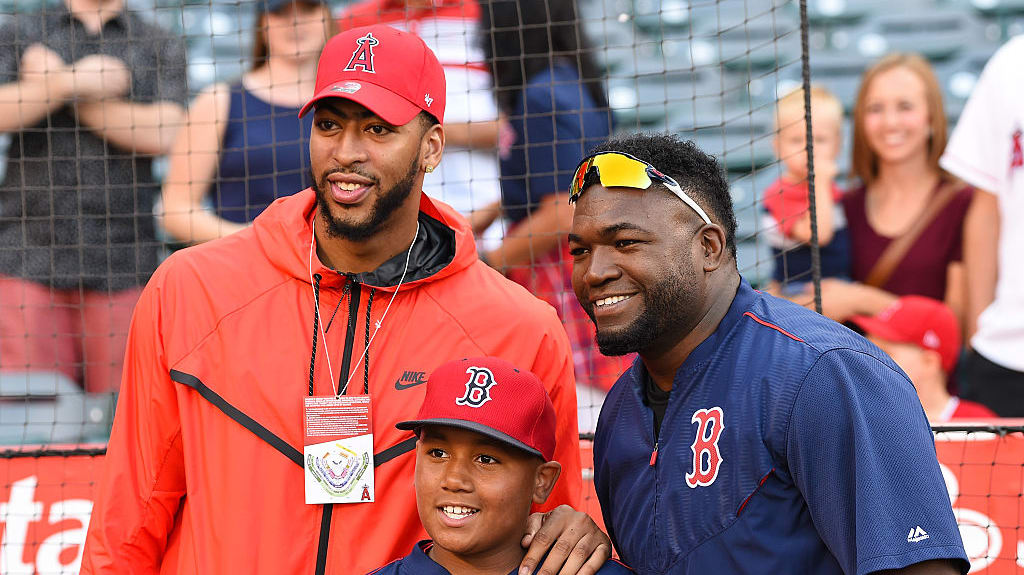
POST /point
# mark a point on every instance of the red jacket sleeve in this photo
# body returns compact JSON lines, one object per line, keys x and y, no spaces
{"x":144,"y":479}
{"x":554,"y":366}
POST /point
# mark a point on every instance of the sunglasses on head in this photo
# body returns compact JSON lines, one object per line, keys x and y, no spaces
{"x":620,"y":170}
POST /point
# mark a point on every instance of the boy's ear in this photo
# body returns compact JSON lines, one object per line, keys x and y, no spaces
{"x":544,"y":480}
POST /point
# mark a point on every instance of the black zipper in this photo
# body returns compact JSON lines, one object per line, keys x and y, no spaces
{"x":350,"y":332}
{"x":346,"y":366}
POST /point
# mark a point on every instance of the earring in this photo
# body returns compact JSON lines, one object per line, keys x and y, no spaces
{"x":428,"y":168}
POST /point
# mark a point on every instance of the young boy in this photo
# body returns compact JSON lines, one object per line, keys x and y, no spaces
{"x":787,"y":201}
{"x":486,"y":438}
{"x":922,"y":336}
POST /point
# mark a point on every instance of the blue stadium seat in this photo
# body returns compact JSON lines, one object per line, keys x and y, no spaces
{"x":751,"y":35}
{"x":42,"y":407}
{"x":839,"y":72}
{"x":958,"y":76}
{"x":937,"y":34}
{"x":753,"y":254}
{"x":999,"y":7}
{"x":661,"y":15}
{"x":741,"y":140}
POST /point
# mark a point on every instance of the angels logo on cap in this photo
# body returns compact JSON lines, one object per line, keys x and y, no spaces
{"x":362,"y":57}
{"x":392,"y":73}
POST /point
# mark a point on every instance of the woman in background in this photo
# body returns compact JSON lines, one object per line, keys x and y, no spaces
{"x":907,"y":210}
{"x":551,"y":90}
{"x":242,"y":145}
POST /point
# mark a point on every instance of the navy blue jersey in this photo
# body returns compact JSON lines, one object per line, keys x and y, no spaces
{"x":789,"y":445}
{"x":418,"y":563}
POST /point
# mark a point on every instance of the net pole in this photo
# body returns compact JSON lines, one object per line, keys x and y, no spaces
{"x":805,"y":60}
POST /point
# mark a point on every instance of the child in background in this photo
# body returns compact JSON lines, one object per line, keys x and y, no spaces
{"x":486,"y":437}
{"x":787,"y":200}
{"x":922,"y":336}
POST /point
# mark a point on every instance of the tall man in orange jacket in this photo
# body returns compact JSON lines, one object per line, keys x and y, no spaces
{"x":359,"y":286}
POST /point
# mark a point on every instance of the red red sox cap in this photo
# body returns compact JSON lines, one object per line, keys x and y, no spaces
{"x":492,"y":397}
{"x":393,"y":73}
{"x":920,"y":321}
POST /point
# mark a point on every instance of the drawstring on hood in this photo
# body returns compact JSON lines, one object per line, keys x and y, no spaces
{"x":316,"y":328}
{"x":353,"y":313}
{"x":316,"y":331}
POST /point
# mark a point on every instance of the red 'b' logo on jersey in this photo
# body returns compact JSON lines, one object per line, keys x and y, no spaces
{"x":707,"y":459}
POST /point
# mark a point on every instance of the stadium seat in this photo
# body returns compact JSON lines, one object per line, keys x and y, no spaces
{"x":661,"y":15}
{"x":958,"y":76}
{"x":839,"y":72}
{"x":753,"y":254}
{"x":998,"y":7}
{"x":937,"y":34}
{"x":752,"y":38}
{"x":742,"y":140}
{"x":45,"y":407}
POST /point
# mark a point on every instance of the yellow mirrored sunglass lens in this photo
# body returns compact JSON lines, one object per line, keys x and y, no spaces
{"x":620,"y":171}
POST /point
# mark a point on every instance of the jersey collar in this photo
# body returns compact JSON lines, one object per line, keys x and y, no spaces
{"x":741,"y":302}
{"x":419,"y":563}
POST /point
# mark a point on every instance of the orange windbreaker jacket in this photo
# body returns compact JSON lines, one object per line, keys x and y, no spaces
{"x":204,"y":464}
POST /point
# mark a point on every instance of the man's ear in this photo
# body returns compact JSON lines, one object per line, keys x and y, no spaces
{"x":544,"y":480}
{"x":432,"y":147}
{"x":712,"y":242}
{"x":932,"y":359}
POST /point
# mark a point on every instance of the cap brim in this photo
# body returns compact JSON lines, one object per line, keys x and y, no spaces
{"x":471,"y":426}
{"x":879,"y":328}
{"x":391,"y":107}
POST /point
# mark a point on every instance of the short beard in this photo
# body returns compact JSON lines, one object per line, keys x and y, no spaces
{"x":386,"y":203}
{"x":665,"y":310}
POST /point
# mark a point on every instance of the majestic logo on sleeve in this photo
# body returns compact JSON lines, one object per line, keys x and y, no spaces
{"x":478,"y":388}
{"x":707,"y":459}
{"x":363,"y":55}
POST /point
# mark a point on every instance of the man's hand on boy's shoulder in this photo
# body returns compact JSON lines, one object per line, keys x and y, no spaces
{"x":573,"y":543}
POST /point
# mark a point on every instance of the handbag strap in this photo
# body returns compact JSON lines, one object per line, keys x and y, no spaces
{"x":898,"y":248}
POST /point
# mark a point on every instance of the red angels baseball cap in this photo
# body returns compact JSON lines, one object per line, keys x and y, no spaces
{"x":917,"y":320}
{"x":492,"y":397}
{"x":393,"y":73}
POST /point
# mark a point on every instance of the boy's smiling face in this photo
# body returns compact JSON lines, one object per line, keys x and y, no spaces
{"x":474,"y":493}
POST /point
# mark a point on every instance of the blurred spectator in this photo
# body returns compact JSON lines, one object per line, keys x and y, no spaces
{"x":90,"y":92}
{"x":243,"y":145}
{"x":787,"y":200}
{"x":906,"y":218}
{"x":467,"y":177}
{"x":923,"y":337}
{"x":987,"y":150}
{"x":551,"y":90}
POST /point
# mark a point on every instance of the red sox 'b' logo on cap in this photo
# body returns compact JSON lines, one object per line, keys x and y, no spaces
{"x":478,"y":388}
{"x":362,"y":57}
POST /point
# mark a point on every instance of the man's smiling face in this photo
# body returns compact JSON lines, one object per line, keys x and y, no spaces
{"x":637,"y":266}
{"x":364,"y":168}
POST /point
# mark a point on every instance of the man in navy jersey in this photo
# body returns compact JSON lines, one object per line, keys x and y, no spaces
{"x":751,"y":435}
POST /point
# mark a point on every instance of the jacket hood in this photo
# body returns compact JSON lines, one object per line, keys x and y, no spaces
{"x":443,"y":246}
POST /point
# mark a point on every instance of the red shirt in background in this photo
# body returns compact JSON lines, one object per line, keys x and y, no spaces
{"x":787,"y":203}
{"x":962,"y":409}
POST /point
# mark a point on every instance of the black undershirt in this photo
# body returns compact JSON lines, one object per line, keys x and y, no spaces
{"x":657,"y":399}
